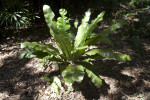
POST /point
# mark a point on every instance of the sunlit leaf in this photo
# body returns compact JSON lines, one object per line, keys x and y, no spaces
{"x":107,"y":53}
{"x":73,"y":73}
{"x":56,"y":85}
{"x":85,"y":29}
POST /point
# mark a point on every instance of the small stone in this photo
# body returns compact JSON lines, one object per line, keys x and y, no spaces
{"x":123,"y":98}
{"x":3,"y":95}
{"x":15,"y":97}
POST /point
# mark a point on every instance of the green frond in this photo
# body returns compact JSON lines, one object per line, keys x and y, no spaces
{"x":78,"y":52}
{"x":107,"y":53}
{"x":28,"y":53}
{"x":56,"y":85}
{"x":80,"y":37}
{"x":103,"y":36}
{"x":92,"y":73}
{"x":64,"y":45}
{"x":85,"y":29}
{"x":63,"y":24}
{"x":97,"y":38}
{"x":73,"y":73}
{"x":40,"y":47}
{"x":49,"y":17}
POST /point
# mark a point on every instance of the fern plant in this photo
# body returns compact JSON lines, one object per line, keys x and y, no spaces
{"x":73,"y":51}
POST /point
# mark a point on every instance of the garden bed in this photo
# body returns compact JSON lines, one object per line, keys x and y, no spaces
{"x":22,"y":79}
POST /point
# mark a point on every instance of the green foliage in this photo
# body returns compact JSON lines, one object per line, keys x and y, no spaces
{"x":56,"y":85}
{"x":47,"y":79}
{"x":72,"y":50}
{"x":85,"y":29}
{"x":73,"y":73}
{"x":141,"y":97}
{"x":137,"y":14}
{"x":139,"y":3}
{"x":14,"y":15}
{"x":106,"y":53}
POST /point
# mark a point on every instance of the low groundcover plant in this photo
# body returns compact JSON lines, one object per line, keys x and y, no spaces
{"x":73,"y":50}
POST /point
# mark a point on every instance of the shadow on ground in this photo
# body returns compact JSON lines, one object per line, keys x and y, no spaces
{"x":16,"y":79}
{"x":131,"y":78}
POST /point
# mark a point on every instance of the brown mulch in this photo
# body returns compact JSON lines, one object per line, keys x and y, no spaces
{"x":22,"y":79}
